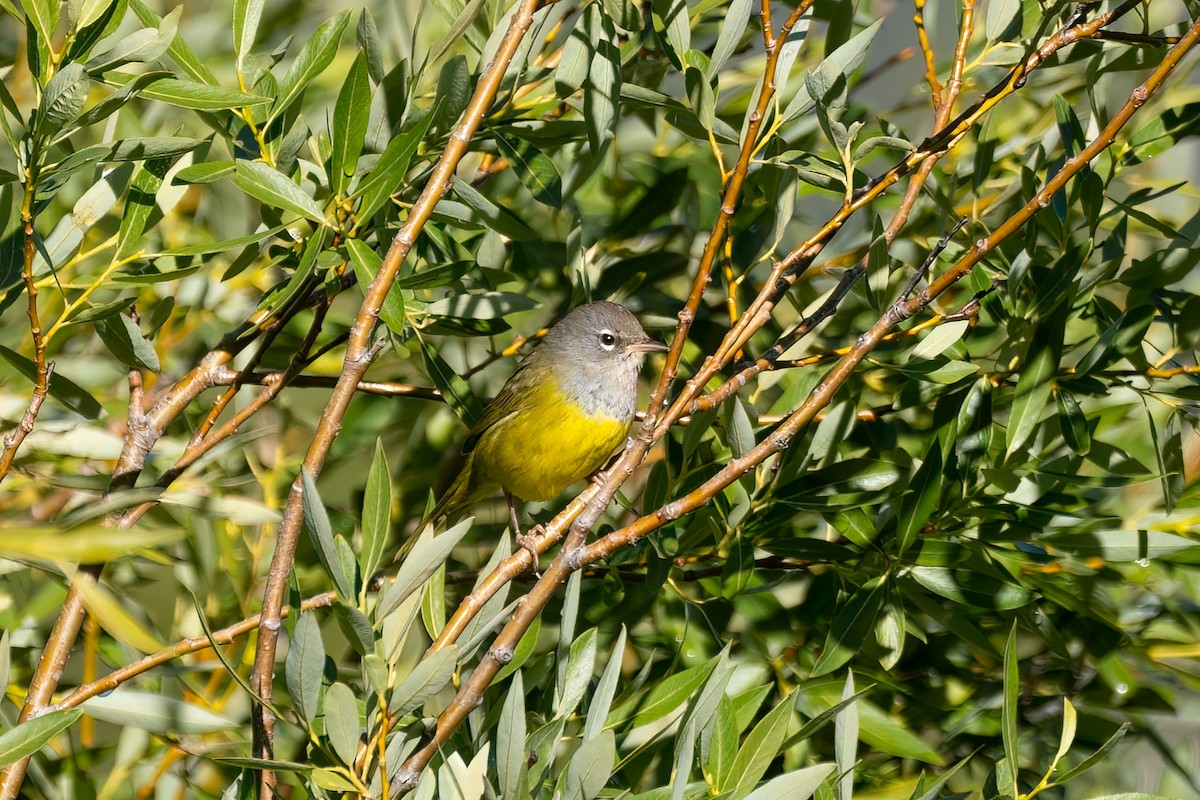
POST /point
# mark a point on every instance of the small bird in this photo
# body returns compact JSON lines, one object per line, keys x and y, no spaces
{"x":559,"y":417}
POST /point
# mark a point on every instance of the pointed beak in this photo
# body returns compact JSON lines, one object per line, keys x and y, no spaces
{"x":647,"y":346}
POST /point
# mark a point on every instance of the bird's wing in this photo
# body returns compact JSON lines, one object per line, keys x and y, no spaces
{"x":500,"y":407}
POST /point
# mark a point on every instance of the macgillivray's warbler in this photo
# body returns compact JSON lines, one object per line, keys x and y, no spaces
{"x":559,"y":417}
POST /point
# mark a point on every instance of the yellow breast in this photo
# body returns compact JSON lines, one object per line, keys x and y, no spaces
{"x":547,"y":444}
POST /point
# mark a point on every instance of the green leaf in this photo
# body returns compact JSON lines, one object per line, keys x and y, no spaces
{"x":32,"y":735}
{"x":188,"y":94}
{"x":246,"y":16}
{"x":1002,"y":22}
{"x":606,"y":689}
{"x":366,"y":263}
{"x":1168,"y":449}
{"x":316,"y":522}
{"x":343,"y":725}
{"x":590,"y":766}
{"x":140,"y":203}
{"x":316,"y":54}
{"x":972,"y":588}
{"x":1010,"y":710}
{"x":63,"y":99}
{"x":850,"y":627}
{"x":205,"y":172}
{"x":1096,"y":757}
{"x":800,"y":784}
{"x":845,"y":740}
{"x":376,"y":513}
{"x":533,"y":167}
{"x":386,"y":176}
{"x":454,"y":388}
{"x":733,"y":28}
{"x":602,"y":89}
{"x":305,"y":665}
{"x":1073,"y":423}
{"x":272,"y":188}
{"x":663,"y":698}
{"x":921,"y":499}
{"x":139,"y":46}
{"x":181,"y":53}
{"x":124,"y":340}
{"x":841,"y":61}
{"x":427,"y":679}
{"x":62,"y":389}
{"x":759,"y":749}
{"x":496,"y":217}
{"x":581,"y":662}
{"x":351,"y":112}
{"x":426,"y":556}
{"x":453,"y":94}
{"x":509,"y":741}
{"x":42,"y":16}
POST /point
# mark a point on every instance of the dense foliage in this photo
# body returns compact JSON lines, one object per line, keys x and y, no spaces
{"x":919,"y":498}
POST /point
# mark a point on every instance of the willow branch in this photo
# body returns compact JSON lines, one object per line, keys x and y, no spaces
{"x":356,"y":361}
{"x":43,"y":369}
{"x":574,"y":554}
{"x":904,"y":308}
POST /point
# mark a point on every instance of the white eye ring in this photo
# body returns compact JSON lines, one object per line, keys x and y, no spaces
{"x":607,"y":340}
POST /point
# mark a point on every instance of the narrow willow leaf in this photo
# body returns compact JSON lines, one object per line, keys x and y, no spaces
{"x":496,"y":217}
{"x":602,"y":89}
{"x":845,"y":738}
{"x":274,"y":189}
{"x":343,"y":724}
{"x":1073,"y":423}
{"x":305,"y":665}
{"x":155,"y":713}
{"x":124,"y":340}
{"x":316,"y":522}
{"x":663,"y":698}
{"x":42,"y":16}
{"x":114,"y":619}
{"x":454,"y":388}
{"x":581,"y":662}
{"x":366,"y":263}
{"x":590,"y":767}
{"x":422,"y":561}
{"x":1010,"y":709}
{"x":733,"y":27}
{"x":1168,"y":449}
{"x":677,"y":27}
{"x":387,"y":176}
{"x":1096,"y":757}
{"x":534,"y":168}
{"x":181,"y":53}
{"x":427,"y":679}
{"x":32,"y":735}
{"x":139,"y":46}
{"x":759,"y":749}
{"x":367,"y":36}
{"x":351,"y":112}
{"x":246,"y":15}
{"x":1003,"y":21}
{"x":841,"y":61}
{"x":117,"y":100}
{"x":606,"y":689}
{"x":376,"y":513}
{"x":316,"y":54}
{"x":920,"y":499}
{"x":572,"y":67}
{"x":850,"y":627}
{"x":62,"y":99}
{"x":188,"y":94}
{"x":139,"y":204}
{"x":62,"y":389}
{"x":685,"y":752}
{"x":798,"y":785}
{"x":722,"y":745}
{"x":511,"y":754}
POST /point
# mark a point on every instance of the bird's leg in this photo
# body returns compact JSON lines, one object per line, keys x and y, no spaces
{"x":526,"y":542}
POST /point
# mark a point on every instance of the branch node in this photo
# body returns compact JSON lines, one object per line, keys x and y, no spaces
{"x":502,"y":654}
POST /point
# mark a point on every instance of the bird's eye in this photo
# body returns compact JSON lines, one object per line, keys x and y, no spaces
{"x":607,"y":340}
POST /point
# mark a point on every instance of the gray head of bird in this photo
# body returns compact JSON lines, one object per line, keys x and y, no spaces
{"x":598,"y":350}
